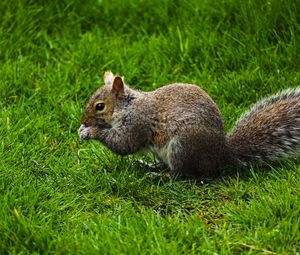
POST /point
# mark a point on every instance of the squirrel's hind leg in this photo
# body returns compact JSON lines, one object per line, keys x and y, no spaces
{"x":196,"y":156}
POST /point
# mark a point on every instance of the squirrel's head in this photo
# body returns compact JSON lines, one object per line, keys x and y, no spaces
{"x":105,"y":101}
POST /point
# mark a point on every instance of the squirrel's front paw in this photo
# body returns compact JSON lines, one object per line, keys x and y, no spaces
{"x":85,"y":132}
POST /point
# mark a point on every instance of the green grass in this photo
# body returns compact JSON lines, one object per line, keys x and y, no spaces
{"x":59,"y":196}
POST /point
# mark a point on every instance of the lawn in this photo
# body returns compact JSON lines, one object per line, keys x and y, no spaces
{"x":62,"y":196}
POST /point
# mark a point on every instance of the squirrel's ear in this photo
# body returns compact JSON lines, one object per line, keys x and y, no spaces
{"x":108,"y":78}
{"x":118,"y":86}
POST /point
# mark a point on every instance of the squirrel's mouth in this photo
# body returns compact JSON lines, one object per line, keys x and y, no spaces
{"x":89,"y":132}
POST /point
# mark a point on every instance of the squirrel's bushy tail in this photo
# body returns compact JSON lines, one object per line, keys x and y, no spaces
{"x":270,"y":130}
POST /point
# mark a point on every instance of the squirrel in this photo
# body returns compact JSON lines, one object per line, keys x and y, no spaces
{"x":183,"y":127}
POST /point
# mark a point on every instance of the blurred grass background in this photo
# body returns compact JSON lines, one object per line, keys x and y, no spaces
{"x":61,"y":197}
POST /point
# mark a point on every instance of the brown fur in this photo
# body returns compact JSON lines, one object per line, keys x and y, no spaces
{"x":183,"y":127}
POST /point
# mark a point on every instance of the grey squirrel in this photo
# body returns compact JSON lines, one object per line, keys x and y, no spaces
{"x":183,"y":127}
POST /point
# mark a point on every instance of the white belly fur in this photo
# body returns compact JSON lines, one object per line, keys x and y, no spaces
{"x":164,"y":152}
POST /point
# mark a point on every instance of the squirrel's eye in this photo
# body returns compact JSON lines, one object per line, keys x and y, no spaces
{"x":100,"y":106}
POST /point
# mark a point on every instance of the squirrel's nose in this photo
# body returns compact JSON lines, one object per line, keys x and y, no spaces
{"x":85,"y":121}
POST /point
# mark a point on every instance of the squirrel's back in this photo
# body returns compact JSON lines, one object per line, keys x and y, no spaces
{"x":185,"y":105}
{"x":269,"y":131}
{"x":189,"y":136}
